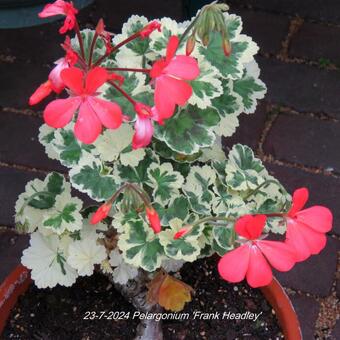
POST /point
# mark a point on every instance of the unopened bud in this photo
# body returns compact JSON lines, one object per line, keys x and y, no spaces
{"x":101,"y":213}
{"x":226,"y":45}
{"x":191,"y":42}
{"x":100,"y":27}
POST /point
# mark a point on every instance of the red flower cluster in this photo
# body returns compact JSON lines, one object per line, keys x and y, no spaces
{"x":305,"y":237}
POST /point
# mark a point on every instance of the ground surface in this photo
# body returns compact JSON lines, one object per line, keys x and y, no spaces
{"x":296,"y":129}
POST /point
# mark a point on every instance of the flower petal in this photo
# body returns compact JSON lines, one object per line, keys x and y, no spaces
{"x":58,"y":7}
{"x":234,"y":264}
{"x":109,"y":113}
{"x":73,"y":79}
{"x":259,"y":273}
{"x":183,"y":67}
{"x":88,"y":126}
{"x":317,"y":217}
{"x":143,"y":133}
{"x":55,"y":75}
{"x":280,"y":255}
{"x":59,"y":112}
{"x":171,"y":47}
{"x":304,"y":240}
{"x":250,"y":227}
{"x":95,"y":78}
{"x":300,"y":197}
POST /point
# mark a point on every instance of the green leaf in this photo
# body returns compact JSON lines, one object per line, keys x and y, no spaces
{"x":187,"y":247}
{"x":234,"y":25}
{"x":45,"y":199}
{"x":138,"y":174}
{"x":224,"y":236}
{"x":229,"y":102}
{"x":69,"y":148}
{"x":140,"y":247}
{"x":139,"y":46}
{"x":91,"y":179}
{"x":165,"y":182}
{"x":66,"y":215}
{"x":243,"y":49}
{"x":189,"y":130}
{"x":250,"y":89}
{"x":178,"y":208}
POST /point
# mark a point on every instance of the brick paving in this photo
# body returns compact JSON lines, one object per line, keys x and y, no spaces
{"x":295,"y":129}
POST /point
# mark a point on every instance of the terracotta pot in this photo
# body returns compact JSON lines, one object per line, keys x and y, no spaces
{"x":19,"y":280}
{"x":279,"y":300}
{"x":16,"y":283}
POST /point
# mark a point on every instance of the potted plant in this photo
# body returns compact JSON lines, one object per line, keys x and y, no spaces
{"x":140,"y":130}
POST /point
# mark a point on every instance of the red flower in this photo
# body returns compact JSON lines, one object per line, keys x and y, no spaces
{"x":55,"y":83}
{"x":93,"y":112}
{"x":169,"y":74}
{"x":306,"y":228}
{"x":154,"y":220}
{"x":60,"y":7}
{"x":143,"y":125}
{"x":148,"y":29}
{"x":101,"y":213}
{"x":253,"y":259}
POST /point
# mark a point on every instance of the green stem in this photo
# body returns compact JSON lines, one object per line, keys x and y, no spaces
{"x":188,"y":29}
{"x":128,"y":97}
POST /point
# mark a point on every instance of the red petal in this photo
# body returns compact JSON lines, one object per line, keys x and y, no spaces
{"x":73,"y":78}
{"x":143,"y":133}
{"x":164,"y":104}
{"x":278,"y":254}
{"x":300,"y":197}
{"x":55,"y":75}
{"x":317,"y":217}
{"x":234,"y":264}
{"x":58,"y":7}
{"x":183,"y":67}
{"x":304,"y":240}
{"x":88,"y":126}
{"x":172,"y":47}
{"x":109,"y":113}
{"x":59,"y":112}
{"x":259,"y":272}
{"x":95,"y":78}
{"x":250,"y":227}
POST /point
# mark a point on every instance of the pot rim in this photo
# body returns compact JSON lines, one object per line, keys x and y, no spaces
{"x":19,"y":280}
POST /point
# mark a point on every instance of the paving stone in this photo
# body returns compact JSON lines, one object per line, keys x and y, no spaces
{"x":115,"y":13}
{"x":250,"y":128}
{"x":335,"y":335}
{"x":39,"y":44}
{"x":323,"y":190}
{"x":11,"y":247}
{"x":19,"y":81}
{"x":316,"y":41}
{"x":321,"y":10}
{"x":255,"y":24}
{"x":302,"y":87}
{"x":316,"y":274}
{"x":307,"y":309}
{"x":320,"y":138}
{"x":12,"y":183}
{"x":19,"y":142}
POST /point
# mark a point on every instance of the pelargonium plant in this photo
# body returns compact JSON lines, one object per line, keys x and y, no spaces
{"x":139,"y":127}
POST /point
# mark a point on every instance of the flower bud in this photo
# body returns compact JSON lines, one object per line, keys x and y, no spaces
{"x":183,"y":231}
{"x":191,"y":42}
{"x":100,"y":27}
{"x":226,"y":45}
{"x":149,"y":28}
{"x":101,"y":213}
{"x":154,"y":220}
{"x":41,"y":93}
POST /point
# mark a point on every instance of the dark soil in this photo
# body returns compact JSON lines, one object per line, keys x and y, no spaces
{"x":53,"y":314}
